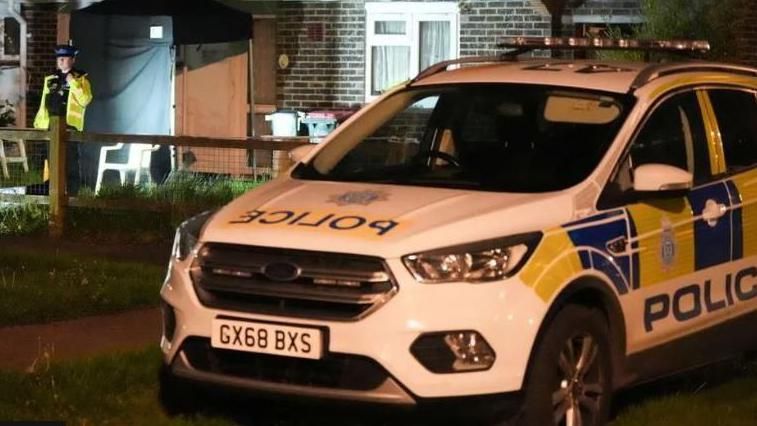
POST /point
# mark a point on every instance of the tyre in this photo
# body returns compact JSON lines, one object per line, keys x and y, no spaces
{"x":176,"y":396}
{"x":570,"y":377}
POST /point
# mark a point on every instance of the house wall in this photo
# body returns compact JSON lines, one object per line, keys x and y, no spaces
{"x":42,"y":26}
{"x":484,"y":23}
{"x":325,"y":42}
{"x":327,"y":70}
{"x":605,"y":12}
{"x":747,"y":30}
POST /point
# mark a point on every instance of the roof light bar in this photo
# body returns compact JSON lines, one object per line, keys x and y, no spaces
{"x":603,"y":43}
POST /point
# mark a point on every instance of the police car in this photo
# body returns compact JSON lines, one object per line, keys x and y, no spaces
{"x":538,"y":232}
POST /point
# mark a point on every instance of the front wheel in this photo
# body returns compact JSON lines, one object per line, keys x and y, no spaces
{"x":570,"y":382}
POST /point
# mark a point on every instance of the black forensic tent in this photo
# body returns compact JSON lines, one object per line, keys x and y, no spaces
{"x":126,"y":47}
{"x":192,"y":21}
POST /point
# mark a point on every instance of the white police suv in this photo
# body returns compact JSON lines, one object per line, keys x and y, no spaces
{"x":541,"y":232}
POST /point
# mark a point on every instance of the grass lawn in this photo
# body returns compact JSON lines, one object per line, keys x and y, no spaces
{"x":37,"y":288}
{"x":731,"y":404}
{"x":722,"y":395}
{"x":117,"y":390}
{"x":121,"y":389}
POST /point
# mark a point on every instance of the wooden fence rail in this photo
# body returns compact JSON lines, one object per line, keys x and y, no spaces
{"x":58,"y":136}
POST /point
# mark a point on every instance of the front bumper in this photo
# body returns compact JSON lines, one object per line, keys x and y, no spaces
{"x":507,"y":314}
{"x":281,"y":376}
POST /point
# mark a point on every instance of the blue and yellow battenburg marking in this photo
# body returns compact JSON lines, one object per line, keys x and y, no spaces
{"x":655,"y":241}
{"x":744,"y":191}
{"x":356,"y":224}
{"x":570,"y":250}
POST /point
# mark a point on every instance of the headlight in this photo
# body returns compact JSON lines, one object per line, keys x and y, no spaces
{"x":479,"y":262}
{"x":188,"y":233}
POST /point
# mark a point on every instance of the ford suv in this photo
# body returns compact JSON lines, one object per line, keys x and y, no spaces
{"x":540,"y":231}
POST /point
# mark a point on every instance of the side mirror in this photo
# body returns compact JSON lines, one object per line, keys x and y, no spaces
{"x":661,"y":177}
{"x":297,"y":154}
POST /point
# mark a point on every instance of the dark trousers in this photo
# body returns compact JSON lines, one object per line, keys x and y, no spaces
{"x":73,"y":168}
{"x":73,"y":171}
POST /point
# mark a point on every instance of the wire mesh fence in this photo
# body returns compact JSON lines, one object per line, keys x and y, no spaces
{"x":22,"y":164}
{"x":134,"y":185}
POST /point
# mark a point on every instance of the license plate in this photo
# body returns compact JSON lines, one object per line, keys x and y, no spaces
{"x":267,"y":338}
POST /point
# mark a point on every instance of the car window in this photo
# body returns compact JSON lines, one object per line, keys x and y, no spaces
{"x":672,"y":134}
{"x":491,"y":137}
{"x":736,"y":112}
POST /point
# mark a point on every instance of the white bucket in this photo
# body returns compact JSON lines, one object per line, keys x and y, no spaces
{"x":284,"y":123}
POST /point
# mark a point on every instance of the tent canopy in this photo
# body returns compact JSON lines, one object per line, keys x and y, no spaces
{"x":192,"y":21}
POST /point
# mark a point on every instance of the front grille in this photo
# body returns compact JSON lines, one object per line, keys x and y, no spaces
{"x":326,"y":286}
{"x":335,"y":371}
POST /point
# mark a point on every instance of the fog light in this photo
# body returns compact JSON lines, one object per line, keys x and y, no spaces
{"x":169,"y":320}
{"x":453,"y":352}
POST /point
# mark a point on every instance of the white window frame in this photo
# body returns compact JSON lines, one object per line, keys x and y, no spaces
{"x":412,"y":13}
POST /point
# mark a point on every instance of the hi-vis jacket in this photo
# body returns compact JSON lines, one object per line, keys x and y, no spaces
{"x":79,"y":96}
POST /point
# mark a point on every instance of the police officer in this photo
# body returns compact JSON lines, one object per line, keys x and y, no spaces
{"x":66,"y":93}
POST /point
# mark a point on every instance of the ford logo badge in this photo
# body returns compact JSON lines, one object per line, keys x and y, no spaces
{"x":281,"y":271}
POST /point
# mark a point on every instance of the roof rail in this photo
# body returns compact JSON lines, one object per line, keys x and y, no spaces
{"x":582,"y":43}
{"x":442,"y":66}
{"x":655,"y":71}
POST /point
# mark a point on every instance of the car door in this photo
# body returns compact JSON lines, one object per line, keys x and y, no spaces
{"x":734,"y":112}
{"x":677,"y":239}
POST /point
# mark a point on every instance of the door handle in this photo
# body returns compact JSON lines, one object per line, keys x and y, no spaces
{"x":713,"y":211}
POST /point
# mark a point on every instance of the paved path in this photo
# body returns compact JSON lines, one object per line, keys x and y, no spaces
{"x":30,"y":346}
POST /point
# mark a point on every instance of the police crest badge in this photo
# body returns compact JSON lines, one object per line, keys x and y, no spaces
{"x":362,"y":198}
{"x":667,"y":244}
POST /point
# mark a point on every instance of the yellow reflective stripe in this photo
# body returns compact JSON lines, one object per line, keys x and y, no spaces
{"x":714,"y":140}
{"x":658,"y":222}
{"x":552,"y":265}
{"x":746,"y":184}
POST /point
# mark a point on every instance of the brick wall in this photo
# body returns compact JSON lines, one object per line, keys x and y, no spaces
{"x":329,"y":71}
{"x":484,"y":23}
{"x":746,"y":28}
{"x":324,"y":42}
{"x":42,"y":26}
{"x":607,"y":11}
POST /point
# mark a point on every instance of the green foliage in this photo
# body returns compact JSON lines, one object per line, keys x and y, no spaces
{"x":42,"y":287}
{"x":131,"y":214}
{"x":23,"y":219}
{"x":711,"y":20}
{"x":18,"y":177}
{"x":147,"y":213}
{"x":180,"y":189}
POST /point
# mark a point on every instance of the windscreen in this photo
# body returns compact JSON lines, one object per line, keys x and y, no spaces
{"x":507,"y":138}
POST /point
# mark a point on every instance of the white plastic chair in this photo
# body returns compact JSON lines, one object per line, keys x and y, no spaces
{"x":138,"y":160}
{"x":20,"y":158}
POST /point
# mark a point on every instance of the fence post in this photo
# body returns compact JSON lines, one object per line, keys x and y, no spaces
{"x":57,"y":160}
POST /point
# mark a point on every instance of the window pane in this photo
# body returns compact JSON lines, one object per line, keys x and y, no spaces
{"x":674,"y":135}
{"x":736,"y":112}
{"x":394,"y":143}
{"x":489,"y":137}
{"x":391,"y":65}
{"x":389,"y":27}
{"x":434,"y":42}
